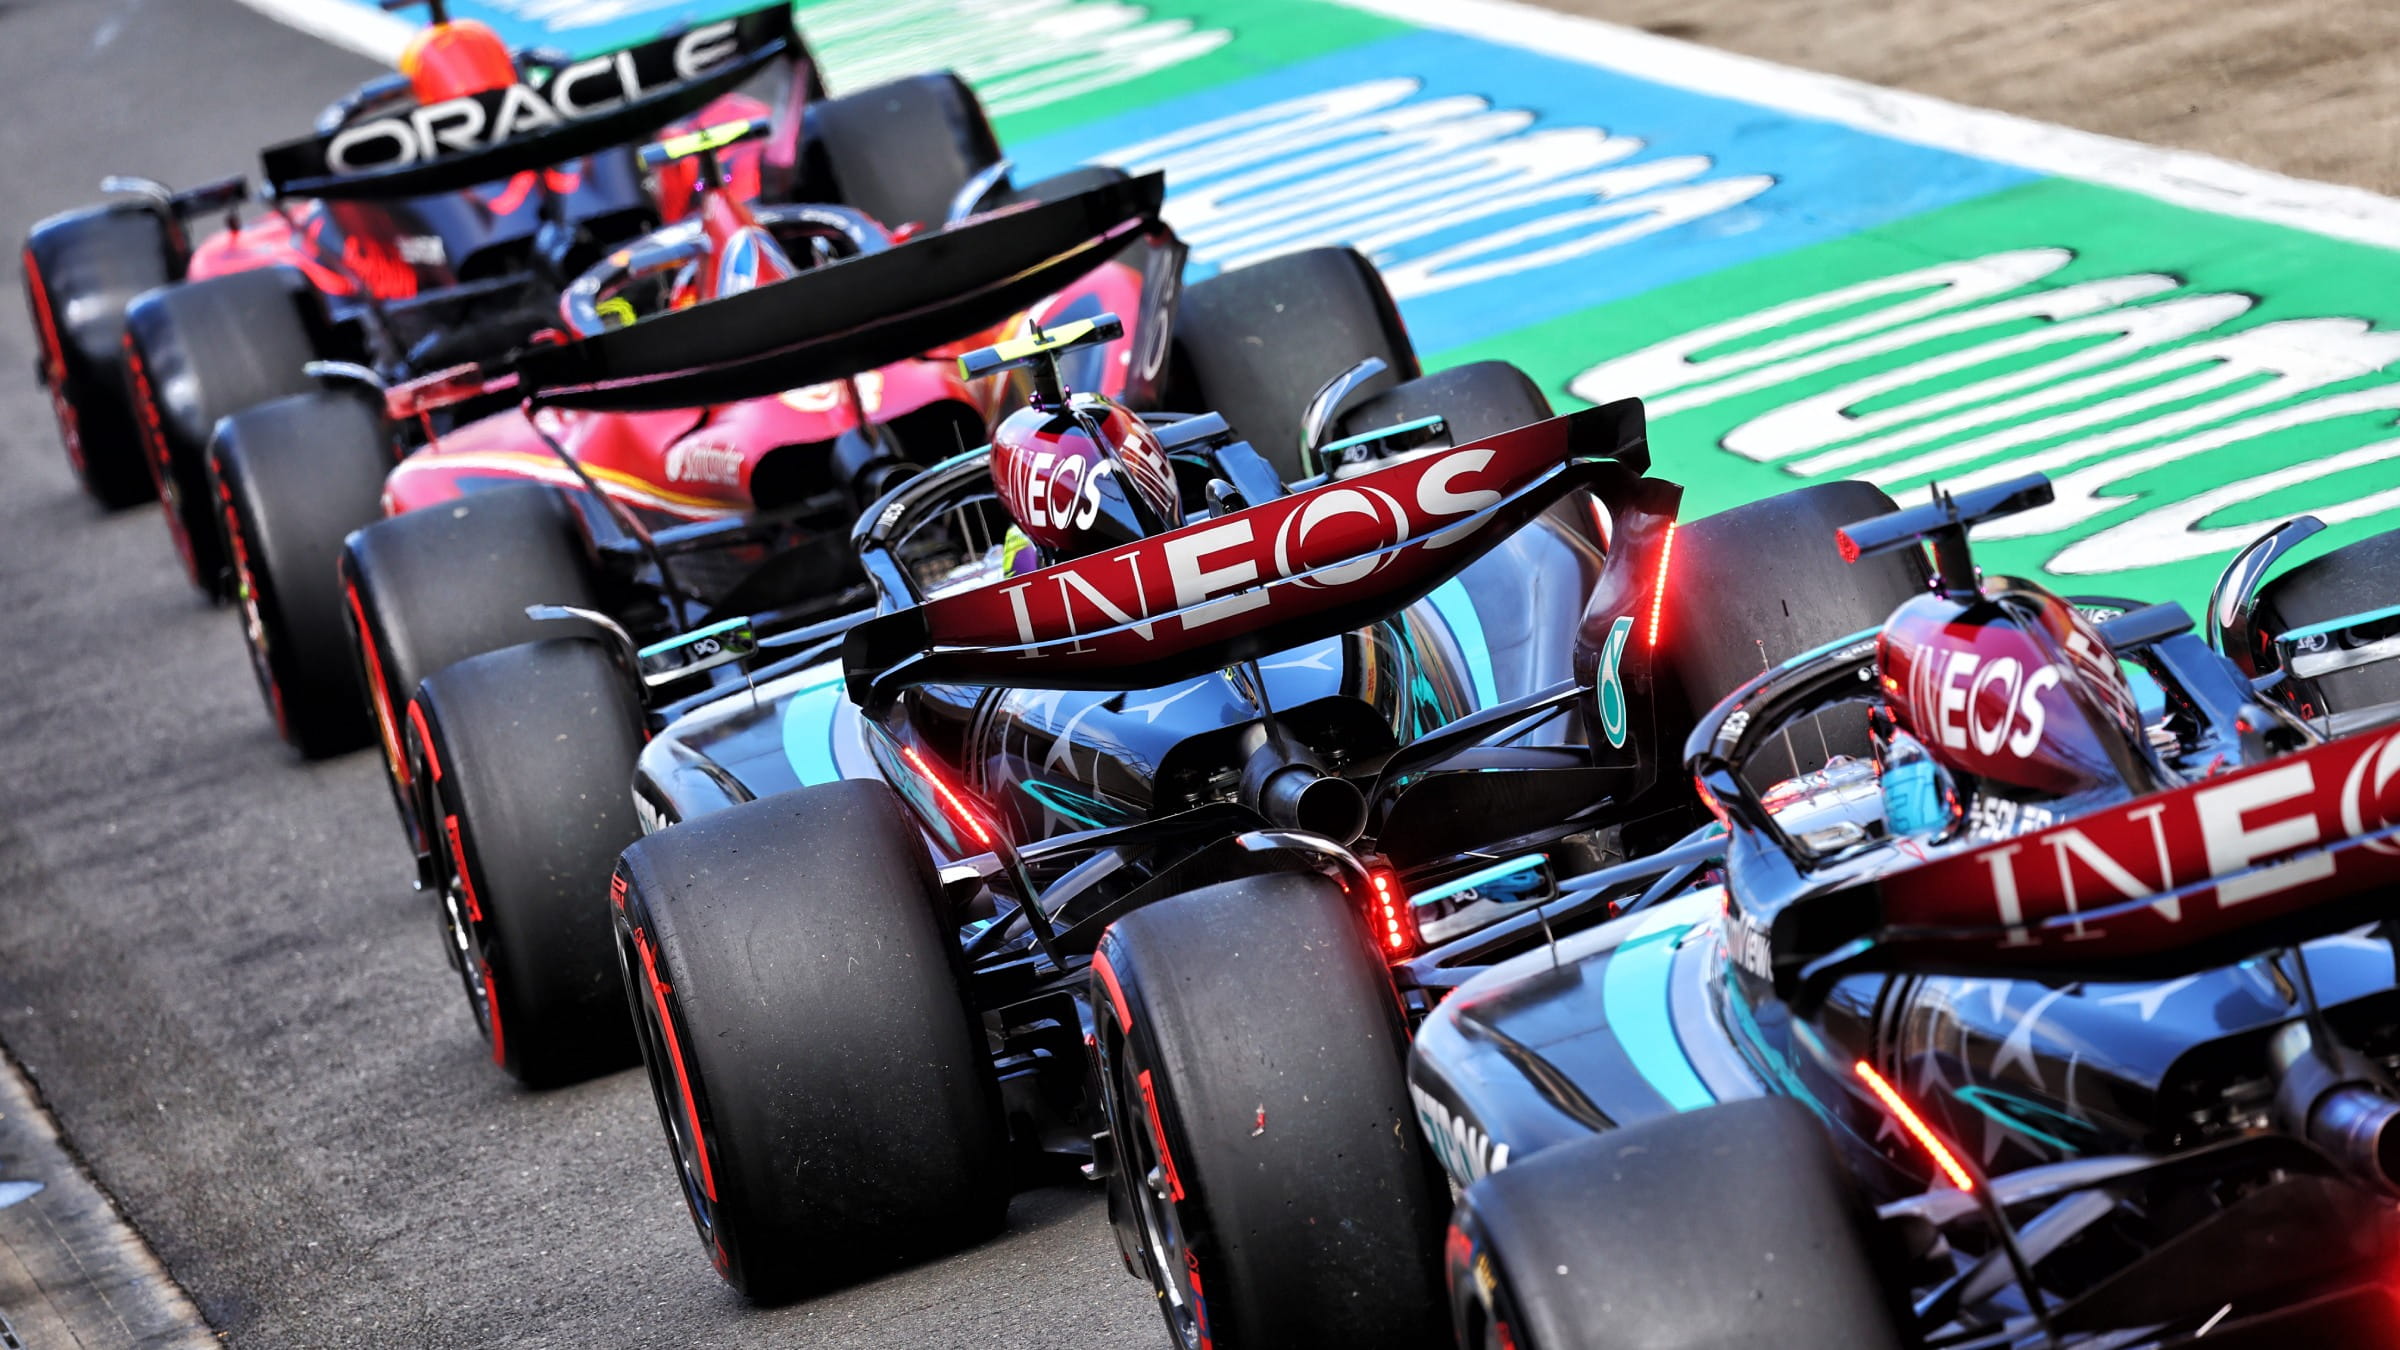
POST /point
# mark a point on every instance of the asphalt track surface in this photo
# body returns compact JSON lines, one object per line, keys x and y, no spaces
{"x":211,"y":961}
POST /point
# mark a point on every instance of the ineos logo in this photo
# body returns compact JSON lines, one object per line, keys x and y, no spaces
{"x":1965,"y":688}
{"x":2368,"y":803}
{"x":457,"y":126}
{"x":1383,"y":517}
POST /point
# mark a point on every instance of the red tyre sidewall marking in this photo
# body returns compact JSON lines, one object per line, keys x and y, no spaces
{"x":1116,"y":994}
{"x":254,"y":624}
{"x":466,"y":885}
{"x":162,"y":469}
{"x":659,"y":989}
{"x":458,"y":859}
{"x":54,"y":362}
{"x":433,"y":760}
{"x":379,"y":694}
{"x":1158,"y":1135}
{"x":491,"y":1008}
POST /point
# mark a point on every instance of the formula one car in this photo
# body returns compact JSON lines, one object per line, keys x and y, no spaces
{"x":683,"y":535}
{"x":290,"y":478}
{"x":1104,"y":846}
{"x":2066,"y":1017}
{"x":433,"y":219}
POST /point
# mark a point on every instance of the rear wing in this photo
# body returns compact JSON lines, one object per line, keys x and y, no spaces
{"x":834,"y":321}
{"x":1255,"y":581}
{"x":617,"y":98}
{"x":2184,"y":879}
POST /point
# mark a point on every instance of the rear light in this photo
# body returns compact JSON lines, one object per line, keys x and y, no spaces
{"x":1915,"y":1124}
{"x":1658,"y":592}
{"x":969,"y":822}
{"x":1388,"y":910}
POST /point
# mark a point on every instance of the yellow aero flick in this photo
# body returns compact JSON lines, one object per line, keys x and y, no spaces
{"x":703,"y":141}
{"x":1005,"y":355}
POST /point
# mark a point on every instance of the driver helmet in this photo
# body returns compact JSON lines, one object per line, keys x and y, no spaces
{"x":1069,"y":496}
{"x":455,"y":60}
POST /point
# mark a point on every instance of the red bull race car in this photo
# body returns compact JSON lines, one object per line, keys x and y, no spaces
{"x":434,"y":218}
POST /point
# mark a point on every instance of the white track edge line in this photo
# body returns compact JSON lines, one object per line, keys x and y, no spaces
{"x":371,"y":34}
{"x":2183,"y":177}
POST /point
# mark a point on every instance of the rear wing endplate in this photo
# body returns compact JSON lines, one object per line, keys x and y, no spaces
{"x":617,"y":98}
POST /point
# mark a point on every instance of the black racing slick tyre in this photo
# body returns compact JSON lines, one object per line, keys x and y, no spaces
{"x":1254,"y":1064}
{"x":1256,"y":344}
{"x":2353,"y":579}
{"x":1481,"y":399}
{"x":1764,"y":582}
{"x":450,"y":581}
{"x":291,"y":479}
{"x":528,"y":755}
{"x":1730,"y":1228}
{"x":827,"y":1091}
{"x":901,"y":151}
{"x":81,"y":270}
{"x":194,"y":353}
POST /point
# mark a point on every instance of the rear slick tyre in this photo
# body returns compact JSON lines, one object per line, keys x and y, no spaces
{"x":197,"y":352}
{"x":827,"y":1092}
{"x":529,"y":785}
{"x":450,"y":581}
{"x":1732,"y":1227}
{"x":81,"y":270}
{"x":291,"y":479}
{"x":1256,"y":344}
{"x":1267,"y":1151}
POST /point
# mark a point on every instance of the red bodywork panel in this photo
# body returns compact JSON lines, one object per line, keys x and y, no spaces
{"x":697,"y":464}
{"x":689,"y":465}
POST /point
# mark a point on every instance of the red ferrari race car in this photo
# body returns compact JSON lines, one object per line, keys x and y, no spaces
{"x":725,"y":519}
{"x":432,"y":219}
{"x":287,"y":479}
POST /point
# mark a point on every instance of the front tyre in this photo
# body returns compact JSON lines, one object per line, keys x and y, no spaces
{"x":1732,"y":1227}
{"x":291,"y":479}
{"x":826,"y":1090}
{"x":529,"y":755}
{"x":1253,"y":1058}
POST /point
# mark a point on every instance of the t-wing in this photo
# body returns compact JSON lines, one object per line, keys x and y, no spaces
{"x":1251,"y":582}
{"x":617,"y":98}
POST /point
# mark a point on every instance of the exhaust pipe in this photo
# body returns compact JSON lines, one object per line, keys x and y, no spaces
{"x":2339,"y":1112}
{"x":1294,"y":792}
